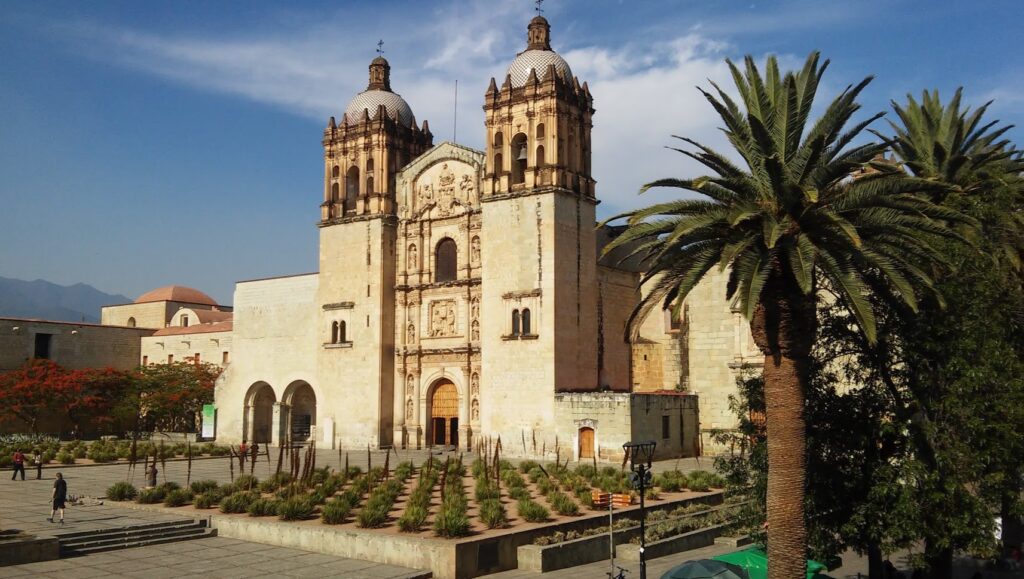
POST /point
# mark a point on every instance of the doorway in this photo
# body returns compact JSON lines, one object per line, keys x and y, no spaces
{"x":586,"y":442}
{"x":444,"y":415}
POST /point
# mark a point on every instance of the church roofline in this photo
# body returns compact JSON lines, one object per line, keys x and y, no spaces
{"x":277,"y":277}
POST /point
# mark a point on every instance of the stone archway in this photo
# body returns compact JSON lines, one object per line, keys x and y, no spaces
{"x":259,"y":413}
{"x":443,"y":406}
{"x":301,"y":401}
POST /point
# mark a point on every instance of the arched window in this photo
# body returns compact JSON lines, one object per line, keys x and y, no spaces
{"x":341,"y":332}
{"x":540,"y":155}
{"x":351,"y":188}
{"x":369,"y":176}
{"x":446,"y":261}
{"x":526,"y":321}
{"x":336,"y":172}
{"x":369,"y":166}
{"x":131,"y":322}
{"x":334,"y":332}
{"x":334,"y":192}
{"x":515,"y":322}
{"x":519,"y":159}
{"x":184,"y":321}
{"x":369,"y":185}
{"x":540,"y":132}
{"x":499,"y":140}
{"x":497,"y":164}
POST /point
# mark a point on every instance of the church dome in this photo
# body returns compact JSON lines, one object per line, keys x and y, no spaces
{"x":538,"y":55}
{"x":372,"y":99}
{"x":176,"y":293}
{"x":378,"y":92}
{"x":537,"y":60}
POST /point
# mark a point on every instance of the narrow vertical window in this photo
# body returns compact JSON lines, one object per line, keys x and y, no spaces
{"x":196,"y":359}
{"x":131,"y":322}
{"x":665,"y":429}
{"x":334,"y":332}
{"x":224,"y":358}
{"x":184,"y":321}
{"x":170,"y":358}
{"x":526,"y":321}
{"x":341,"y":332}
{"x":145,"y":360}
{"x":515,"y":322}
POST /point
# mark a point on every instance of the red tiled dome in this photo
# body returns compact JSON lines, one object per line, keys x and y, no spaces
{"x":176,"y":293}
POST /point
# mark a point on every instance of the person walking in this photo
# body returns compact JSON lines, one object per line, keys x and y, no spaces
{"x":38,"y":459}
{"x":60,"y":495}
{"x":19,"y":464}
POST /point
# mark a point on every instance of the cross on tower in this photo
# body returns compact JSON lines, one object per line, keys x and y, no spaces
{"x":380,"y":47}
{"x":538,"y":8}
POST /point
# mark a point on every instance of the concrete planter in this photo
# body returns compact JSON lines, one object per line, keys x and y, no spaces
{"x":679,"y":543}
{"x":28,"y":549}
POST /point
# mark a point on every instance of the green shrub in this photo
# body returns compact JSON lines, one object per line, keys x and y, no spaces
{"x":586,"y":471}
{"x":151,"y":496}
{"x":486,"y":489}
{"x":170,"y":486}
{"x":336,"y":511}
{"x":451,"y":522}
{"x":492,"y":513}
{"x":246,"y":482}
{"x":671,"y":481}
{"x":563,"y":503}
{"x":519,"y":494}
{"x":121,"y":491}
{"x":206,"y":500}
{"x":544,"y":486}
{"x":527,"y":465}
{"x":533,"y":512}
{"x":332,"y":485}
{"x":373,"y":515}
{"x":262,"y":508}
{"x":237,"y":502}
{"x":220,"y":451}
{"x":294,"y":509}
{"x":178,"y":497}
{"x":702,"y":480}
{"x":65,"y":457}
{"x":412,"y":519}
{"x":79,"y":452}
{"x":536,"y":473}
{"x":201,"y":486}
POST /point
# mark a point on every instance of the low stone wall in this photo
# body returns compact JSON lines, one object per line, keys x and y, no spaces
{"x":679,"y":543}
{"x":28,"y":549}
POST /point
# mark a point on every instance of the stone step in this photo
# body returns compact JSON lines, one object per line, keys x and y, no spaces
{"x":156,"y":541}
{"x":83,"y":542}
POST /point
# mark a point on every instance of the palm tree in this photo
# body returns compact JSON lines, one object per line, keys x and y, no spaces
{"x":789,"y":223}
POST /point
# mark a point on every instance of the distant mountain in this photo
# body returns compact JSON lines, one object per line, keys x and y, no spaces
{"x":49,"y":301}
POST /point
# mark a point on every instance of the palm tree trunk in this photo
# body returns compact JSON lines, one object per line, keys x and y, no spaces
{"x":784,"y":405}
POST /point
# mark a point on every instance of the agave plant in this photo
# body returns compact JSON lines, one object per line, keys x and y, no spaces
{"x":788,"y":222}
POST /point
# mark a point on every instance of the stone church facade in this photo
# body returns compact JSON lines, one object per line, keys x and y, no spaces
{"x":462,"y":296}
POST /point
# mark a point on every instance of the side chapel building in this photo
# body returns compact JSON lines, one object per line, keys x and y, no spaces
{"x":462,"y":295}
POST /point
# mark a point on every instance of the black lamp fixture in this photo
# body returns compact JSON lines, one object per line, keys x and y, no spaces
{"x":641,"y":455}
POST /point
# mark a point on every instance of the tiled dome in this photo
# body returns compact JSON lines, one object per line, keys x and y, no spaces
{"x":176,"y":293}
{"x":372,"y":99}
{"x":537,"y":60}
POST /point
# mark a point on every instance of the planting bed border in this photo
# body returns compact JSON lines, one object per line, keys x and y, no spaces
{"x":28,"y":549}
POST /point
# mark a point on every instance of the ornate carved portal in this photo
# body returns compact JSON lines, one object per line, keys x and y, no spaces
{"x":442,"y":318}
{"x":444,"y":414}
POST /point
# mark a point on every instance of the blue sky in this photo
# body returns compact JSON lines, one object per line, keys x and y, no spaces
{"x":150,"y":143}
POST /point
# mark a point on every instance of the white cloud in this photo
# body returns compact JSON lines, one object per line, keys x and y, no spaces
{"x":644,"y":91}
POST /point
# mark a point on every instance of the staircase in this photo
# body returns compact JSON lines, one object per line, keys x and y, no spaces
{"x":85,"y":542}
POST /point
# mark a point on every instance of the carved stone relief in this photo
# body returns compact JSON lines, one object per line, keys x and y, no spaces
{"x":474,"y":411}
{"x":408,"y":410}
{"x":474,"y":250}
{"x":442,"y":318}
{"x":474,"y":387}
{"x":475,"y":331}
{"x":474,"y":309}
{"x":413,"y":257}
{"x":410,"y":385}
{"x":410,"y":337}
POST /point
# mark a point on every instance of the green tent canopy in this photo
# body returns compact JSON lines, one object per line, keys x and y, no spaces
{"x":755,"y":561}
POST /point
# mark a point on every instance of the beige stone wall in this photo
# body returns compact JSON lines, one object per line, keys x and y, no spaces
{"x":660,"y":354}
{"x":275,"y":340}
{"x":147,"y":315}
{"x":720,"y":346}
{"x":71,"y":345}
{"x":211,"y":347}
{"x":617,"y":294}
{"x":651,"y":413}
{"x":357,"y":265}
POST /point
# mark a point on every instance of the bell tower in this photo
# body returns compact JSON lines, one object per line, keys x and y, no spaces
{"x":539,"y":294}
{"x":538,"y":123}
{"x":377,"y":136}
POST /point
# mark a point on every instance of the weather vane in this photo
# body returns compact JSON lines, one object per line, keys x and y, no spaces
{"x":538,"y":8}
{"x":380,"y":47}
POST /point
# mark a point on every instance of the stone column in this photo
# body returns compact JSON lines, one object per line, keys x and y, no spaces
{"x":279,"y":429}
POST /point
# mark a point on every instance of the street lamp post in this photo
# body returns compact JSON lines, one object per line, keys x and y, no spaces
{"x":641,"y":454}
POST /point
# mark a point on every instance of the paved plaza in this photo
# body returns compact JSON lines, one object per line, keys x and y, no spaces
{"x":25,"y":506}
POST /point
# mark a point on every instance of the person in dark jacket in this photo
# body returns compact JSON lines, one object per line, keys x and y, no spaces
{"x":19,"y":464}
{"x":59,"y":496}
